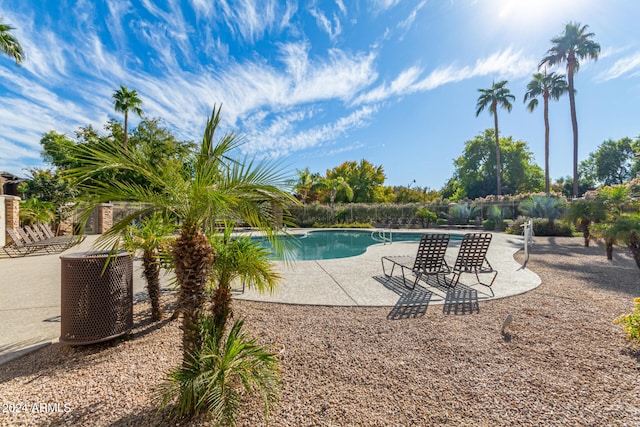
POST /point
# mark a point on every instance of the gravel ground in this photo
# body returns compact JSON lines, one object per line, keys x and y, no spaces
{"x":563,"y":361}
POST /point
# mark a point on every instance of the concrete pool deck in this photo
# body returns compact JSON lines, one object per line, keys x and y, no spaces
{"x":30,"y":287}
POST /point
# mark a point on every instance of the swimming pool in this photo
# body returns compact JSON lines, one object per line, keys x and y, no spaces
{"x":331,"y":244}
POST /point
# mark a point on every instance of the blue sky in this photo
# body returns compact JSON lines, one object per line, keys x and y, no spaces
{"x":317,"y":83}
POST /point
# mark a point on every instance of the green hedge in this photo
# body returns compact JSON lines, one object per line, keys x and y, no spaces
{"x":542,"y":227}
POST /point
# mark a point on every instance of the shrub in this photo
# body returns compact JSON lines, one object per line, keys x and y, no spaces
{"x":442,"y":221}
{"x":488,"y":225}
{"x":630,"y":323}
{"x":542,"y":227}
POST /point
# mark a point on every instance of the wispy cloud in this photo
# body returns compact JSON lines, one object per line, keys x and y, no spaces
{"x":624,"y":67}
{"x":406,"y":23}
{"x":382,"y":5}
{"x":333,"y":29}
{"x":504,"y":64}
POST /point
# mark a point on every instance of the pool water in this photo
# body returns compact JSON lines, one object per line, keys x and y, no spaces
{"x":331,"y":244}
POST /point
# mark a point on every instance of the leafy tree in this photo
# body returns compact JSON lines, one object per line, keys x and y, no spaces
{"x":126,"y":100}
{"x":9,"y":45}
{"x":48,"y":186}
{"x":546,"y":85}
{"x":564,"y":185}
{"x":475,"y":169}
{"x":195,"y":193}
{"x":613,"y":162}
{"x":570,"y":47}
{"x":150,"y":236}
{"x":585,"y":212}
{"x":426,"y":217}
{"x":363,"y":178}
{"x":497,"y":95}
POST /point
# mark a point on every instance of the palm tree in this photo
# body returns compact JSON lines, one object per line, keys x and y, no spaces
{"x":125,"y":100}
{"x":303,"y":186}
{"x":624,"y":229}
{"x":150,"y":236}
{"x":333,"y":185}
{"x":498,"y":94}
{"x":586,"y":212}
{"x":548,"y":85}
{"x":573,"y":45}
{"x":194,"y":192}
{"x":238,"y":258}
{"x":9,"y":45}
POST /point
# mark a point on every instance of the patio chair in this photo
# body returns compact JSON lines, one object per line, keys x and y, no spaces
{"x":429,"y":259}
{"x":56,"y":243}
{"x":472,"y":258}
{"x":20,"y":247}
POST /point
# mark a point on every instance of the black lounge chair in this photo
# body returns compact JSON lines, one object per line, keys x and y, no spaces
{"x":429,"y":259}
{"x":472,"y":258}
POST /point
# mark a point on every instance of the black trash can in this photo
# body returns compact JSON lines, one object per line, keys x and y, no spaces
{"x":96,"y":301}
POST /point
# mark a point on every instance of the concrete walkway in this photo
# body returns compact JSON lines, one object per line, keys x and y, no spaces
{"x":30,"y":287}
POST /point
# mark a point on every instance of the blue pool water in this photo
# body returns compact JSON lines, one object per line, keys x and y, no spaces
{"x":331,"y":244}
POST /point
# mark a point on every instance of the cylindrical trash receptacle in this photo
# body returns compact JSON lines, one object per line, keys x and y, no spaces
{"x":96,"y":301}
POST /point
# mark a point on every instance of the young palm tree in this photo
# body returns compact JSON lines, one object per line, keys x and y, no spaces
{"x":490,"y":98}
{"x":548,"y":85}
{"x":151,"y":237}
{"x":238,"y":258}
{"x":194,"y":192}
{"x":125,"y":100}
{"x":303,"y":186}
{"x":333,"y":185}
{"x":573,"y":45}
{"x":218,"y":377}
{"x":586,"y":212}
{"x":9,"y":45}
{"x":624,"y":229}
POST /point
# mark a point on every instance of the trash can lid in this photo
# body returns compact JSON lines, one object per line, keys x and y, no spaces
{"x":93,"y":254}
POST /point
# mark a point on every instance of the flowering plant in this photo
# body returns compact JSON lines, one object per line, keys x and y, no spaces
{"x":630,"y":323}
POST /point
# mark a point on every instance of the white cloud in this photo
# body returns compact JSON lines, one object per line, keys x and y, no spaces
{"x":505,"y":64}
{"x":333,"y":30}
{"x":627,"y":66}
{"x":409,"y":20}
{"x":382,"y":5}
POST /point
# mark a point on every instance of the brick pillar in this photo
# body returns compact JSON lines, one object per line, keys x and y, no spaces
{"x":105,"y":217}
{"x":11,"y":213}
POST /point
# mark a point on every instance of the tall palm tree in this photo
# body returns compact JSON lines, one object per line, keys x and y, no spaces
{"x":9,"y":45}
{"x":126,"y":100}
{"x":549,"y":86}
{"x":195,"y":192}
{"x":573,"y":45}
{"x":490,"y":98}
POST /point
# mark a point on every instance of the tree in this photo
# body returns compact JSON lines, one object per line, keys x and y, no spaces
{"x":9,"y":45}
{"x":238,"y":258}
{"x":333,"y":185}
{"x":195,"y":193}
{"x":570,"y":47}
{"x":150,"y":236}
{"x":490,"y":98}
{"x":363,"y":178}
{"x":613,"y":162}
{"x":474,"y":174}
{"x":585,"y":212}
{"x":125,"y":100}
{"x":552,"y":85}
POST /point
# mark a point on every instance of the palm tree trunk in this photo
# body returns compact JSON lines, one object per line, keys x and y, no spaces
{"x":586,"y":233}
{"x":151,"y":271}
{"x":193,"y":255}
{"x":498,"y":165}
{"x":546,"y":144}
{"x":608,"y":244}
{"x":126,"y":122}
{"x":221,"y":305}
{"x":574,"y":123}
{"x":634,"y":246}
